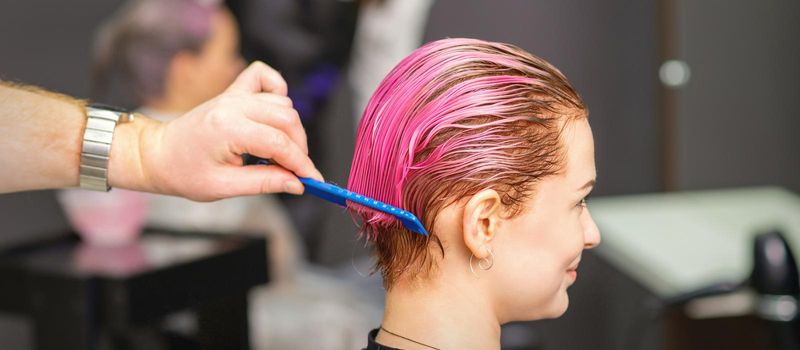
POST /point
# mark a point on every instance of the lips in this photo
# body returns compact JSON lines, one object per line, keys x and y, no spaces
{"x":573,"y":274}
{"x":572,"y":271}
{"x":574,"y":265}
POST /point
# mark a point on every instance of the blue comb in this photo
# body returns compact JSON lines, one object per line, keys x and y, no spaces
{"x":340,"y":196}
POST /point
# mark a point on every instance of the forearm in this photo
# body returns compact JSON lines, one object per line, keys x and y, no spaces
{"x":197,"y":156}
{"x":41,"y":138}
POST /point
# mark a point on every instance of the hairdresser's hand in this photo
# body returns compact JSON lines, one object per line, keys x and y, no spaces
{"x":198,"y":156}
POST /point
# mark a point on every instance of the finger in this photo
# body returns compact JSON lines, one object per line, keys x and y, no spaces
{"x":262,"y":110}
{"x":276,"y":99}
{"x":251,"y":180}
{"x":259,"y":77}
{"x":270,"y":143}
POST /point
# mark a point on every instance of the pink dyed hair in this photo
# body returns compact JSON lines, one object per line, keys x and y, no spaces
{"x":453,"y":118}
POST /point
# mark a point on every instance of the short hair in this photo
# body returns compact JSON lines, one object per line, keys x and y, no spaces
{"x":453,"y":118}
{"x":141,"y":39}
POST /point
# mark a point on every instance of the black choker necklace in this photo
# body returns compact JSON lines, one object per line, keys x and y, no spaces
{"x":409,"y":339}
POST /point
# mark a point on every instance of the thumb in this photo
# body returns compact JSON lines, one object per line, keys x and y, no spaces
{"x":258,"y":179}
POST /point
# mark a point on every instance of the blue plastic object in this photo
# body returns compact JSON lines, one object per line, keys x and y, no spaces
{"x":340,"y":196}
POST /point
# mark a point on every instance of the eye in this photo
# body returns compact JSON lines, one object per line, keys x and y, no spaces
{"x":582,"y":204}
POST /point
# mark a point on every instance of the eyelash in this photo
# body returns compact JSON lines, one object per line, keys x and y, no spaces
{"x":582,"y":203}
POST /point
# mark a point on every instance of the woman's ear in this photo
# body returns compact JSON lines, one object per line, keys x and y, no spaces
{"x":482,"y":216}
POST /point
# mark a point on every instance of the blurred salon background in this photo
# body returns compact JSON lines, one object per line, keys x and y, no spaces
{"x":695,"y":107}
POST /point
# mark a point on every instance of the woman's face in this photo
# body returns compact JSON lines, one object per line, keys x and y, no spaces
{"x":537,"y":252}
{"x":218,"y":62}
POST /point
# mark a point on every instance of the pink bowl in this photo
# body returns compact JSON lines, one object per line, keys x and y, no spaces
{"x":112,"y":218}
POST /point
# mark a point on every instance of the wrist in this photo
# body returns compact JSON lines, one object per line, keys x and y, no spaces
{"x":131,"y":155}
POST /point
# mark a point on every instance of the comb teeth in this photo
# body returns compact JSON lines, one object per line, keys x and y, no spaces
{"x":340,"y":196}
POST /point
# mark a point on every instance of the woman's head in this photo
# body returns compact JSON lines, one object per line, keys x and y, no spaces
{"x":483,"y":142}
{"x":177,"y":49}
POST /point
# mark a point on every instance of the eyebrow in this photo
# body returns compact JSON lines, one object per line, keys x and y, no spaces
{"x":588,"y":184}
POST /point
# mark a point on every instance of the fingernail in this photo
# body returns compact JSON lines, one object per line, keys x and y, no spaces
{"x":293,"y":186}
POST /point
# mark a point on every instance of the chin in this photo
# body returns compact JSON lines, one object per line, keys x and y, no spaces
{"x":562,"y":310}
{"x":554,"y":309}
{"x":559,"y":306}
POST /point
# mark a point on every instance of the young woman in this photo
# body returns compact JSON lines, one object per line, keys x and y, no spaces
{"x":491,"y":148}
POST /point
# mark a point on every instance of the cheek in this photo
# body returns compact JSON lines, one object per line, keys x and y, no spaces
{"x":529,"y":283}
{"x":218,"y":71}
{"x":558,"y":242}
{"x":228,"y":66}
{"x":532,"y":265}
{"x":220,"y":65}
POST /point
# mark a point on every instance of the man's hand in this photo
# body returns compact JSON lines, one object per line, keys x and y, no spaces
{"x":199,"y":155}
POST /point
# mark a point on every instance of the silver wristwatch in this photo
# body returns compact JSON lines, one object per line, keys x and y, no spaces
{"x":100,"y":123}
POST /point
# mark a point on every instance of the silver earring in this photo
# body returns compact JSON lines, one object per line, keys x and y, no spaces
{"x":484,"y":263}
{"x":487,"y":262}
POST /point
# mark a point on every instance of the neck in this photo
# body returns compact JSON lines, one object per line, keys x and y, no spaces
{"x":443,"y":316}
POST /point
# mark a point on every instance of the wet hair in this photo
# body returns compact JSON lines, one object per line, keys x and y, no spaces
{"x":455,"y":117}
{"x":141,"y":38}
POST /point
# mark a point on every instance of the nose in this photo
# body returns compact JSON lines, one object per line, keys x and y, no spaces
{"x":591,"y":234}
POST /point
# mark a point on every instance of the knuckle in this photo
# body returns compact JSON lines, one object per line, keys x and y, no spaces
{"x":267,"y":185}
{"x":288,"y":116}
{"x":294,"y":117}
{"x":260,"y":64}
{"x":285,"y":101}
{"x":279,"y":143}
{"x":227,"y":99}
{"x":289,"y":101}
{"x":217,"y":119}
{"x":223,"y":112}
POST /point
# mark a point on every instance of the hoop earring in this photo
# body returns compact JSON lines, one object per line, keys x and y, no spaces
{"x":487,"y":262}
{"x":484,"y":263}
